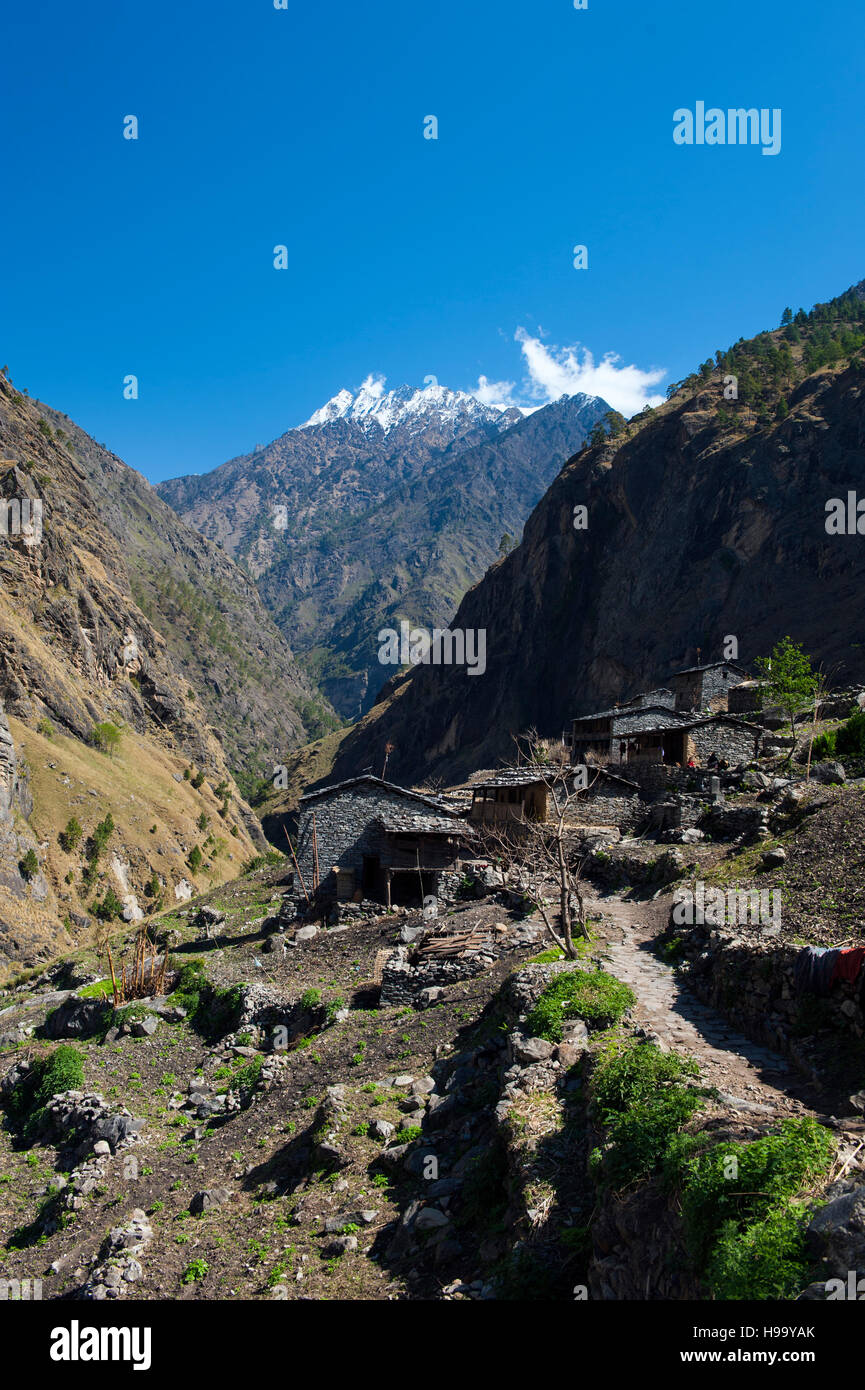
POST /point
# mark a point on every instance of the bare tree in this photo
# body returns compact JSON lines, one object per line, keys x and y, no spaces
{"x":541,"y":851}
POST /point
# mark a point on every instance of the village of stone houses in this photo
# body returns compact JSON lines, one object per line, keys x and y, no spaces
{"x":588,"y":1025}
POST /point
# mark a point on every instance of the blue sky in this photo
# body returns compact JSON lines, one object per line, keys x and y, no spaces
{"x":407,"y":257}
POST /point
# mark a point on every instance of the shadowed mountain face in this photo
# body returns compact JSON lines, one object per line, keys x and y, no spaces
{"x":381,"y":507}
{"x":705,"y":519}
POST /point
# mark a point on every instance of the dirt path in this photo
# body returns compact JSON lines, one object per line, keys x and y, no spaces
{"x":751,"y":1078}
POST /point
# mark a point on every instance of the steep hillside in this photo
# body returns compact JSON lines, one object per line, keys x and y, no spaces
{"x":392,"y":507}
{"x":104,"y":727}
{"x":216,"y":629}
{"x":705,"y":518}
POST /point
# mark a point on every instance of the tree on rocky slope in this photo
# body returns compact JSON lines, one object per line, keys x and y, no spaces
{"x":541,"y":852}
{"x":790,"y":682}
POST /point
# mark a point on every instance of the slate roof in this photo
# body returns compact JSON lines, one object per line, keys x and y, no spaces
{"x":415,"y":824}
{"x":525,"y":777}
{"x":619,"y":710}
{"x":711,"y":666}
{"x":698,"y":724}
{"x":368,"y":779}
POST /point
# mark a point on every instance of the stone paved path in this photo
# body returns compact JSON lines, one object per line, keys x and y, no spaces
{"x":751,"y":1078}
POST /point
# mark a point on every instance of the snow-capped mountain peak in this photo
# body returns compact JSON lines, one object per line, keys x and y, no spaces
{"x":410,"y":406}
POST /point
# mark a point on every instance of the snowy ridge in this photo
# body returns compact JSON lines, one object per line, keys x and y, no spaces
{"x":410,"y":406}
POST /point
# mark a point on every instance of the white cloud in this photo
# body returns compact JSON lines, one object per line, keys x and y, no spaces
{"x":553,"y":372}
{"x":373,"y":385}
{"x":495,"y":393}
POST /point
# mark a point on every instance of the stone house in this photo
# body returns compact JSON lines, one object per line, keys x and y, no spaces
{"x":367,"y":838}
{"x":608,"y":733}
{"x":746,"y":697}
{"x":521,"y":795}
{"x":706,"y":687}
{"x":727,"y":737}
{"x":514,"y":794}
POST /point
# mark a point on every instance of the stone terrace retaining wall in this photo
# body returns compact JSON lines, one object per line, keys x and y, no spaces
{"x":750,"y":979}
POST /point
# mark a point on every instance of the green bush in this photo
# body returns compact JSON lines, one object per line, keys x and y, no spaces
{"x":194,"y":859}
{"x":70,"y":838}
{"x":823,"y":746}
{"x":109,"y":909}
{"x":643,"y":1102}
{"x":593,"y":995}
{"x":635,"y":1074}
{"x":247,"y":1077}
{"x":850,"y":738}
{"x":767,"y":1259}
{"x":310,"y":998}
{"x":60,"y":1070}
{"x":768,"y":1174}
{"x":29,"y":865}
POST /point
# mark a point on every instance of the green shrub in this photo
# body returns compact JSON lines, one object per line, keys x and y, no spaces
{"x":29,"y":865}
{"x":70,"y":838}
{"x":643,"y":1102}
{"x":247,"y":1077}
{"x":109,"y":909}
{"x":768,"y":1174}
{"x":46,"y":728}
{"x":195,"y":859}
{"x":767,"y":1259}
{"x":310,"y":998}
{"x":850,"y":738}
{"x":635,"y":1074}
{"x":60,"y":1070}
{"x":407,"y":1134}
{"x":189,"y":986}
{"x":593,"y":995}
{"x":823,"y":746}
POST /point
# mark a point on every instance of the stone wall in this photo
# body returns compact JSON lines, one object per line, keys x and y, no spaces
{"x":347,"y":829}
{"x":750,"y":979}
{"x":609,"y":803}
{"x":737,"y":745}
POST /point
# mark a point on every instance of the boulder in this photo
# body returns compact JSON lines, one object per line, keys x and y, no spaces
{"x":829,"y":773}
{"x":527,"y":1051}
{"x":210,"y":1197}
{"x":772,"y":858}
{"x":76,"y":1018}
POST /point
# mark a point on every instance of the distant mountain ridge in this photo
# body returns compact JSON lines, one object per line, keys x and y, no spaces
{"x":383,"y":505}
{"x":408,"y":406}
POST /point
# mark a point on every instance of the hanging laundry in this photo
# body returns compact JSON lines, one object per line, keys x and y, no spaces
{"x":813,"y":970}
{"x":848,"y":964}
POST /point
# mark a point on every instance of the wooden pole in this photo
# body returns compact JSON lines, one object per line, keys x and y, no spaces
{"x":113,"y":977}
{"x":811,"y":742}
{"x":296,"y":865}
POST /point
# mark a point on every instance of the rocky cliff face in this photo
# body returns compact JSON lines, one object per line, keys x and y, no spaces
{"x":214,"y":625}
{"x":703,"y":520}
{"x":77,"y":652}
{"x":348,"y":524}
